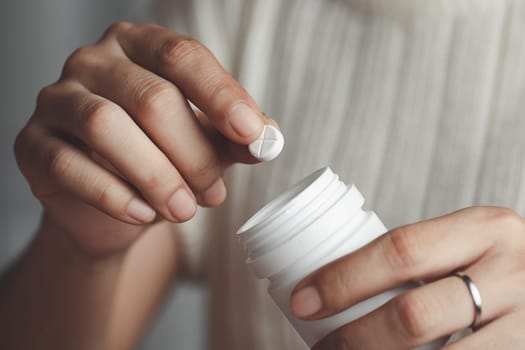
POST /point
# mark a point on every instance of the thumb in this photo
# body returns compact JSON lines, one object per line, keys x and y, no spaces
{"x":230,"y":152}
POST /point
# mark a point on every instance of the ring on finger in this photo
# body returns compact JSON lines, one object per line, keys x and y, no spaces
{"x":475,"y":295}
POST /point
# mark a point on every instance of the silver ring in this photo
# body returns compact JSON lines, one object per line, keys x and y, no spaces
{"x":476,"y":298}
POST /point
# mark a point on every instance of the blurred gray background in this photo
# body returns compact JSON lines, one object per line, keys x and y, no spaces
{"x":36,"y":37}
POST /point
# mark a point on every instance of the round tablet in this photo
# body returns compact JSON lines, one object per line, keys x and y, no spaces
{"x":269,"y":144}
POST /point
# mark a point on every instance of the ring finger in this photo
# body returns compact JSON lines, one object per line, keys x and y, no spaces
{"x":429,"y":312}
{"x":500,"y":334}
{"x":107,"y":129}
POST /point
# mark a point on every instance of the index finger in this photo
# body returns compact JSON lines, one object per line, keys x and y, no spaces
{"x":424,"y":250}
{"x":198,"y":74}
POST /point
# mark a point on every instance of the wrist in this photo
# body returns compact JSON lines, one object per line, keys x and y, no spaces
{"x":54,"y":277}
{"x":53,"y":239}
{"x":86,"y":232}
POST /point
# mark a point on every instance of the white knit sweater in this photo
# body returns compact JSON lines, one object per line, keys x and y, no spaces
{"x":420,"y":103}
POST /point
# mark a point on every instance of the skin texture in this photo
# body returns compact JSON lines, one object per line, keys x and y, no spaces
{"x":115,"y":154}
{"x":487,"y":243}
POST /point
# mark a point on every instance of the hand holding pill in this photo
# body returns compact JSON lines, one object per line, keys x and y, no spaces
{"x":116,"y":134}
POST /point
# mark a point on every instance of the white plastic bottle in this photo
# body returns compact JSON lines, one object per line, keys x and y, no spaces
{"x":312,"y":224}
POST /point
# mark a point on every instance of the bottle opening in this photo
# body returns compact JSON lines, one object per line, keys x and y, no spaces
{"x":282,"y":202}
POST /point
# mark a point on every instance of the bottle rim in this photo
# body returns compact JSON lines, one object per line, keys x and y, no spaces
{"x":297,"y":194}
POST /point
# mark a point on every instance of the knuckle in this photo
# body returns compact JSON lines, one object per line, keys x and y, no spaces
{"x":153,"y":180}
{"x":334,"y":286}
{"x":20,"y":144}
{"x":45,"y":96}
{"x":96,"y":118}
{"x":25,"y":147}
{"x":218,"y":86}
{"x":154,"y":96}
{"x":59,"y":164}
{"x":174,"y":51}
{"x":504,"y":222}
{"x":411,"y":311}
{"x":205,"y":167}
{"x":401,"y":249}
{"x":34,"y":161}
{"x":509,"y":220}
{"x":116,"y":28}
{"x":103,"y":194}
{"x":81,"y":59}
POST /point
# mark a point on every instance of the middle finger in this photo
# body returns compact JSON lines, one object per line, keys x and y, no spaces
{"x":164,"y":114}
{"x":108,"y":131}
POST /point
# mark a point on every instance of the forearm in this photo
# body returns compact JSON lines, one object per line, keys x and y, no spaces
{"x":149,"y":270}
{"x":58,"y":298}
{"x":55,"y":297}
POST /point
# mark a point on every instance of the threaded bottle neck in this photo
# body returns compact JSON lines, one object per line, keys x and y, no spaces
{"x":297,"y":221}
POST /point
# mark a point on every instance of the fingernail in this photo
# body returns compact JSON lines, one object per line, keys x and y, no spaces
{"x":215,"y":194}
{"x":306,"y":302}
{"x":140,"y":211}
{"x":245,"y":121}
{"x":181,"y":205}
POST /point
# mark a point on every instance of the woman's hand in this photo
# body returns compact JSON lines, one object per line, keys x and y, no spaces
{"x":114,"y":143}
{"x":486,"y":243}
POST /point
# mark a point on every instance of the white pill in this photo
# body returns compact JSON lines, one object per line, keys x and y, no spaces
{"x":269,"y":144}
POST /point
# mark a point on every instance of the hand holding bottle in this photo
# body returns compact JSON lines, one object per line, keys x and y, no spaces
{"x":485,"y":243}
